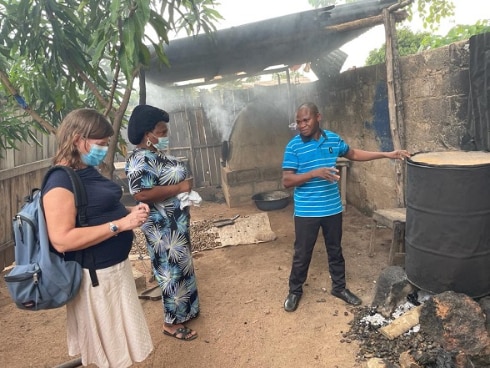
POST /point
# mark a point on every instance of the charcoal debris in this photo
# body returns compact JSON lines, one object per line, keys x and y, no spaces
{"x":372,"y":344}
{"x":451,"y":334}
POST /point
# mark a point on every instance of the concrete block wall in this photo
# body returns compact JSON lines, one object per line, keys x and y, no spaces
{"x":435,"y":87}
{"x":435,"y":95}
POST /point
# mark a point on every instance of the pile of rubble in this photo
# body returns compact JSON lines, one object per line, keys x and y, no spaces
{"x":407,"y":328}
{"x":372,"y":344}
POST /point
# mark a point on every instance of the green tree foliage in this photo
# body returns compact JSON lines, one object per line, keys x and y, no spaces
{"x":59,"y":55}
{"x":457,"y":33}
{"x":409,"y":42}
{"x":431,"y":12}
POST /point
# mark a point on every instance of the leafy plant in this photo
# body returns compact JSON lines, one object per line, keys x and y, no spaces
{"x":85,"y":53}
{"x":411,"y":43}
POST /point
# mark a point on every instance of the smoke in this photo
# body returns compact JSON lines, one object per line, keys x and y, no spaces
{"x":220,"y":119}
{"x":165,"y":98}
{"x":221,"y":109}
{"x":220,"y":106}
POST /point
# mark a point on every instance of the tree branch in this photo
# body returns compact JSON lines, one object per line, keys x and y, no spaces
{"x":113,"y":89}
{"x":8,"y":85}
{"x":93,"y":89}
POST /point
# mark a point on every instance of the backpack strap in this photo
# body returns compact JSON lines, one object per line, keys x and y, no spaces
{"x":80,"y":194}
{"x":81,"y":203}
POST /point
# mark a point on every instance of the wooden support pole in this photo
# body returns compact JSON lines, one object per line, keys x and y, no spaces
{"x":395,"y":101}
{"x":366,"y":22}
{"x":397,"y":250}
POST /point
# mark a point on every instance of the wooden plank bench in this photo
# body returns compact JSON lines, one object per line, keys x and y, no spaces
{"x":393,"y":218}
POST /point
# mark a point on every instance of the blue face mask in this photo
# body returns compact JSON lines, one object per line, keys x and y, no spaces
{"x":162,"y":144}
{"x":95,"y":156}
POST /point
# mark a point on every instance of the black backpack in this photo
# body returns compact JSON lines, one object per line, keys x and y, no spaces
{"x":41,"y":277}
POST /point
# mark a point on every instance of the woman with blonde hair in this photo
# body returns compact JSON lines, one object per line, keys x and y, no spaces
{"x":105,"y":321}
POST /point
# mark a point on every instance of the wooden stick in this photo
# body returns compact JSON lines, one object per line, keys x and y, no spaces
{"x":365,"y":22}
{"x":402,"y":323}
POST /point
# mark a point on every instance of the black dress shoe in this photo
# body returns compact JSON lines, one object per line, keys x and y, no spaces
{"x":347,"y":296}
{"x":291,"y":302}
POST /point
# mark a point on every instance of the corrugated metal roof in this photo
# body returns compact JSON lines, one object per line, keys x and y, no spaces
{"x":250,"y":48}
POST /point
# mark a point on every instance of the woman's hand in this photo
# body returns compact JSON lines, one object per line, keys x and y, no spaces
{"x":141,"y":206}
{"x":136,"y":217}
{"x":186,"y":185}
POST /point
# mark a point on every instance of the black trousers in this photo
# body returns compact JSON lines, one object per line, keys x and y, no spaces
{"x":307,"y":229}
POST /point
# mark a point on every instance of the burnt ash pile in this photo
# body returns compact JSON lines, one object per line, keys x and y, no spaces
{"x":406,"y":327}
{"x":372,"y":344}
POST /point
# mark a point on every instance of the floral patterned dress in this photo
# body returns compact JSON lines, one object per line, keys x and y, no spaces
{"x":167,"y":233}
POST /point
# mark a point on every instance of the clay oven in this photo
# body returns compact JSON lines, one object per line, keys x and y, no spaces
{"x":254,"y":152}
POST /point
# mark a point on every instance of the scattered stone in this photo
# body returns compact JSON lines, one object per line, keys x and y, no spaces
{"x":457,"y":323}
{"x":407,"y":361}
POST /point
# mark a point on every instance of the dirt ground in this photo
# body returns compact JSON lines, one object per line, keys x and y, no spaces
{"x":242,"y":321}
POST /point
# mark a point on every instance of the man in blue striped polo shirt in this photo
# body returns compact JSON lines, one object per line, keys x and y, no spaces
{"x":309,"y":166}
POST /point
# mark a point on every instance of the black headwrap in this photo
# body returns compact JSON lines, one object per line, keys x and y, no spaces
{"x":143,"y":119}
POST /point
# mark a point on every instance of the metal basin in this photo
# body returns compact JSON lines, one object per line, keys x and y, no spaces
{"x":270,"y":201}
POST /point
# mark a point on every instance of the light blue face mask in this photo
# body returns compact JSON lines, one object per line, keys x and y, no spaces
{"x":95,"y":156}
{"x":162,"y":144}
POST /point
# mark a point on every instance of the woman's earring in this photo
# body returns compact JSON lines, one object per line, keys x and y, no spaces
{"x":148,"y":142}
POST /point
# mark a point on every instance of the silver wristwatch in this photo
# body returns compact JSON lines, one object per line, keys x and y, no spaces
{"x":113,"y":227}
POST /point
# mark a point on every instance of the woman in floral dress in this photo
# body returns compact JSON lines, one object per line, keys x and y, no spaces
{"x":159,"y":180}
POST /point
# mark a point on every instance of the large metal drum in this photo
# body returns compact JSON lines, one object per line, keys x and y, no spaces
{"x":447,"y":234}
